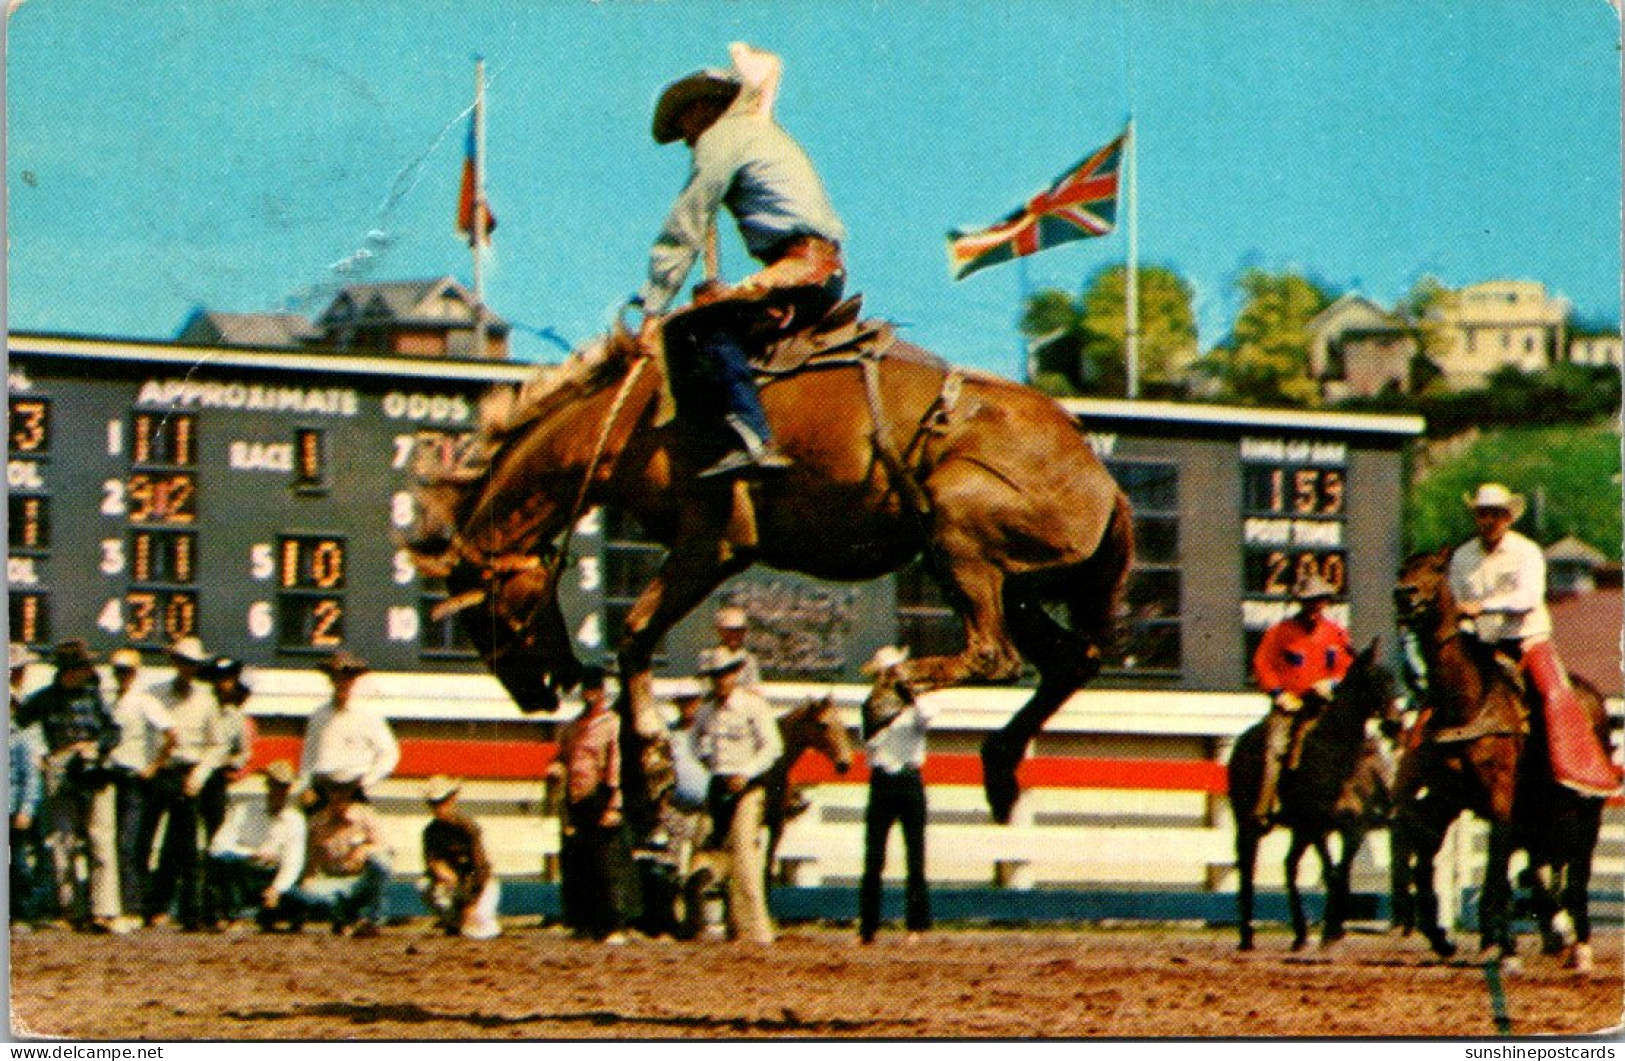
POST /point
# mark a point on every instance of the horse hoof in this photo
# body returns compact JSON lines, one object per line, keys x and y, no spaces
{"x":999,"y":785}
{"x":1442,"y":946}
{"x":1298,"y":944}
{"x":1580,"y":958}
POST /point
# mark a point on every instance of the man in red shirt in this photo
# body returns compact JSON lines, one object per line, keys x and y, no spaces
{"x":1299,"y":662}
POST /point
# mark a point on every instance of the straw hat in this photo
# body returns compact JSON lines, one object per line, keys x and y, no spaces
{"x":1494,"y":495}
{"x":343,"y":663}
{"x":188,"y":650}
{"x":715,"y":661}
{"x":125,"y":659}
{"x":1313,"y":587}
{"x":732,"y":618}
{"x":440,"y":788}
{"x":884,"y":659}
{"x":720,"y":85}
{"x":687,"y":689}
{"x":22,"y":656}
{"x":280,"y":772}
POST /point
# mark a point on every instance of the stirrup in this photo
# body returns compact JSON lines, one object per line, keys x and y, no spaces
{"x":731,"y":463}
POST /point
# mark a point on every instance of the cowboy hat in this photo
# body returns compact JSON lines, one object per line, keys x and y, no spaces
{"x":720,"y":85}
{"x":343,"y":663}
{"x":223,"y":667}
{"x":279,"y":772}
{"x":884,"y":659}
{"x":71,"y":655}
{"x":686,"y":689}
{"x":188,"y":650}
{"x":732,"y":618}
{"x":440,"y":788}
{"x":1494,"y":495}
{"x":22,"y":656}
{"x":125,"y":659}
{"x":1313,"y":587}
{"x":715,"y":661}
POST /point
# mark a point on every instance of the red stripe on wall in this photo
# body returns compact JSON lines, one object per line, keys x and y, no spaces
{"x":527,"y":760}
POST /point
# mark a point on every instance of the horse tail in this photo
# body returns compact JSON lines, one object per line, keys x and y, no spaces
{"x":1095,"y":597}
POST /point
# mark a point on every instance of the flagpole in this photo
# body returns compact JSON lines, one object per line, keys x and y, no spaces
{"x":1131,"y":289}
{"x":1023,"y":293}
{"x":478,"y":236}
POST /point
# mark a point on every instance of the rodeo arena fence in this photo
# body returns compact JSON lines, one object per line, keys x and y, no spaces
{"x":1124,"y":815}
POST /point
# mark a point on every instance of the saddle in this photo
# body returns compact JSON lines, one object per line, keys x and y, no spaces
{"x":840,"y":331}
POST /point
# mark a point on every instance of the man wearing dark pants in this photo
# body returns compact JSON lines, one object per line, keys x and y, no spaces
{"x":894,"y":728}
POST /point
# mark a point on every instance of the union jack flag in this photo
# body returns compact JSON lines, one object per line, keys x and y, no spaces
{"x":1081,"y":204}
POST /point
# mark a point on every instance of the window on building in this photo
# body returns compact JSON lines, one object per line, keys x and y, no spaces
{"x":1151,"y":627}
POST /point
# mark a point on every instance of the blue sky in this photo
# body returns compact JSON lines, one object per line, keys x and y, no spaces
{"x":239,"y":156}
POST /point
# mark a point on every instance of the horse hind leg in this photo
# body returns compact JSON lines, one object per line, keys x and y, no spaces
{"x":1300,"y":924}
{"x":1247,"y":837}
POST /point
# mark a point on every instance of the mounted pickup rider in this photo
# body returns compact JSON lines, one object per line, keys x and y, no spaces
{"x":1498,"y":579}
{"x":1298,"y":663}
{"x":742,"y":160}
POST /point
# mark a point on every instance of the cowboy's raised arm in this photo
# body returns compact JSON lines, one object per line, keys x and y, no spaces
{"x":683,"y":235}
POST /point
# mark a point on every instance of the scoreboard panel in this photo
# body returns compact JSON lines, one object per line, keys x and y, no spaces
{"x":251,"y":499}
{"x":255,"y":499}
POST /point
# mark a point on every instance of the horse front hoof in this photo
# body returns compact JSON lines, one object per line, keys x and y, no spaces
{"x":1580,"y":958}
{"x":1298,"y":943}
{"x":1441,"y":945}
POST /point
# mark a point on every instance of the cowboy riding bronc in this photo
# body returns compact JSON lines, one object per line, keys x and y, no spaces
{"x":744,"y":160}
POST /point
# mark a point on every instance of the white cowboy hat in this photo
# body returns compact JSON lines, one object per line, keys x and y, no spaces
{"x":732,"y":618}
{"x":1494,"y":495}
{"x":686,"y":689}
{"x":22,"y":656}
{"x":125,"y":659}
{"x":440,"y":788}
{"x":720,"y":85}
{"x":188,"y":649}
{"x":714,"y":661}
{"x":1313,"y":587}
{"x":884,"y":659}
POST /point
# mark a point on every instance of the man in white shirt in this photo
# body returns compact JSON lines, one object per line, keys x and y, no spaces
{"x":1498,"y":579}
{"x":146,"y":741}
{"x":738,"y":742}
{"x":198,"y":750}
{"x":894,"y":727}
{"x":344,"y":739}
{"x":256,"y":858}
{"x":733,"y":625}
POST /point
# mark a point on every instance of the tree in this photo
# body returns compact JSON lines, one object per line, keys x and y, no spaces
{"x":1265,"y":361}
{"x":1083,"y":339}
{"x":1425,"y":307}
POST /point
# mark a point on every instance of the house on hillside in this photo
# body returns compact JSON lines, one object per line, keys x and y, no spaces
{"x":409,"y":318}
{"x":1599,"y":348}
{"x":1357,"y":349}
{"x":1495,"y":325}
{"x":1572,"y":566}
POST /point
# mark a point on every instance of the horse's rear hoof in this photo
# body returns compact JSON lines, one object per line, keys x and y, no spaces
{"x":999,"y":784}
{"x":1441,"y":945}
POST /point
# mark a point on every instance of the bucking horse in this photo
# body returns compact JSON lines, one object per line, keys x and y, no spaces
{"x":897,"y":455}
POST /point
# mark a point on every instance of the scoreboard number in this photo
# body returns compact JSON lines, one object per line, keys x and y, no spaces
{"x":401,"y":623}
{"x":30,"y":425}
{"x":261,"y":620}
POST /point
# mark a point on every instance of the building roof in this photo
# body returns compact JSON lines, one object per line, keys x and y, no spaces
{"x":1352,"y":308}
{"x":1586,"y":628}
{"x":403,"y":301}
{"x":260,"y":330}
{"x":1574,"y":550}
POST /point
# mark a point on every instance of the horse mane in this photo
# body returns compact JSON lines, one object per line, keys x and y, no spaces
{"x":508,"y":410}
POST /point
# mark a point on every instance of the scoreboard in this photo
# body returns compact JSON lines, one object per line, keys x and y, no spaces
{"x":256,"y":499}
{"x":253,"y":499}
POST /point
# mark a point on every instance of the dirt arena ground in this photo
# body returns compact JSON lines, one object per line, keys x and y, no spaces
{"x":816,"y":982}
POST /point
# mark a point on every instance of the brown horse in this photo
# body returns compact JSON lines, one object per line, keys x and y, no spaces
{"x":1483,"y":749}
{"x":992,"y":482}
{"x":1337,"y":786}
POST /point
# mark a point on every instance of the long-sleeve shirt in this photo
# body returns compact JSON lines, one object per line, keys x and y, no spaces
{"x":200,"y":740}
{"x":340,"y":844}
{"x":456,"y":841}
{"x":70,"y":716}
{"x":1508,"y":583}
{"x":238,"y":732}
{"x":740,"y":736}
{"x":142,"y":721}
{"x":1293,"y":658}
{"x":354,"y":742}
{"x":27,"y":786}
{"x":899,"y":745}
{"x":746,"y":161}
{"x":277,"y":841}
{"x":590,"y":748}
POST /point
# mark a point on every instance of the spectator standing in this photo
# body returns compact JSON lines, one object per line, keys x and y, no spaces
{"x":177,"y":787}
{"x":346,"y":861}
{"x":459,"y":885}
{"x":894,"y":735}
{"x":225,"y":677}
{"x":344,"y":739}
{"x":26,"y":795}
{"x":79,"y":732}
{"x":146,"y":740}
{"x":600,"y":882}
{"x":256,"y":859}
{"x":739,"y":742}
